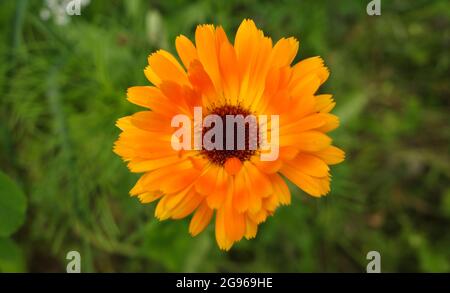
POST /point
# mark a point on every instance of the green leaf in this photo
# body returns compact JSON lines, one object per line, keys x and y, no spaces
{"x":11,"y":257}
{"x":12,"y":206}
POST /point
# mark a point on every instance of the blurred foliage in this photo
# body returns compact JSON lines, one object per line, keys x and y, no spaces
{"x":12,"y":216}
{"x":12,"y":206}
{"x":63,"y":87}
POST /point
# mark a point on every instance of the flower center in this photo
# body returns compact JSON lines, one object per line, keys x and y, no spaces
{"x":247,"y":138}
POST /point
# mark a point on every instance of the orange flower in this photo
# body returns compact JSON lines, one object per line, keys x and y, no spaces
{"x":250,"y":76}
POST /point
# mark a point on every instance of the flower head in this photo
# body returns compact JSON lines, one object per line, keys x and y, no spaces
{"x":250,"y":77}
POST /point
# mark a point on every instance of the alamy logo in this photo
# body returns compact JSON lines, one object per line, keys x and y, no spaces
{"x":374,"y":8}
{"x":73,"y":7}
{"x":374,"y":265}
{"x":61,"y":11}
{"x":74,"y":264}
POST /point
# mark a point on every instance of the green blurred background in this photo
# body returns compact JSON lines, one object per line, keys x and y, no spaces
{"x":63,"y":82}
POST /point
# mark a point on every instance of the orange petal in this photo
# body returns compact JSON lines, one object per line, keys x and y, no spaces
{"x":324,"y":103}
{"x":324,"y":183}
{"x":257,"y":75}
{"x":221,"y":37}
{"x":202,"y":83}
{"x":165,"y":67}
{"x":331,"y":122}
{"x":179,"y":97}
{"x":187,"y":205}
{"x":258,"y":216}
{"x":241,"y":193}
{"x":310,"y":185}
{"x":149,"y":165}
{"x":201,"y":219}
{"x":223,"y":241}
{"x":270,"y":203}
{"x":230,"y":72}
{"x":259,"y":186}
{"x":172,"y":184}
{"x":207,"y":181}
{"x":284,"y":52}
{"x":233,"y":166}
{"x":310,"y":66}
{"x":281,"y":189}
{"x":174,"y":200}
{"x":309,"y":141}
{"x":260,"y":182}
{"x":198,"y":162}
{"x":140,"y":95}
{"x":245,"y":43}
{"x":150,"y":181}
{"x":151,"y":97}
{"x":162,"y":212}
{"x":205,"y":41}
{"x":152,"y":76}
{"x":306,"y":86}
{"x":288,"y":153}
{"x":217,"y":196}
{"x":251,"y":229}
{"x":331,"y":155}
{"x":151,"y":121}
{"x":310,"y":165}
{"x":234,"y":221}
{"x":304,"y":106}
{"x":272,"y":80}
{"x":186,"y":50}
{"x":149,"y":197}
{"x":268,"y":167}
{"x":309,"y":122}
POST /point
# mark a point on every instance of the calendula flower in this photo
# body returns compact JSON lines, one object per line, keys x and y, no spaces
{"x":236,"y":187}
